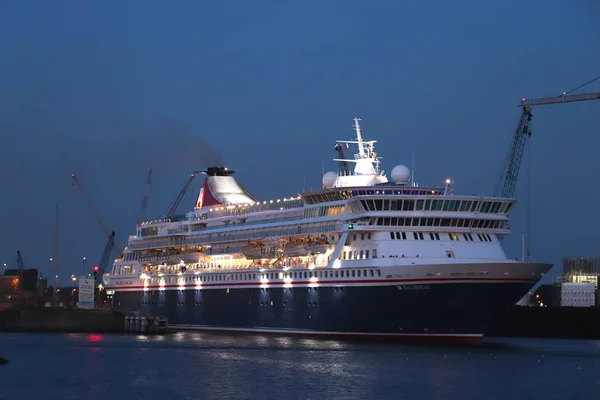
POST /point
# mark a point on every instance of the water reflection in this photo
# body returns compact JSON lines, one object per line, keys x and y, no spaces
{"x":216,"y":365}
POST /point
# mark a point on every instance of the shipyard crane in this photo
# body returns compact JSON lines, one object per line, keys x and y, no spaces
{"x":343,"y":164}
{"x":508,"y":180}
{"x":146,"y":193}
{"x":110,"y":244}
{"x":20,"y":263}
{"x":21,"y":267}
{"x":177,"y":201}
{"x":101,"y":267}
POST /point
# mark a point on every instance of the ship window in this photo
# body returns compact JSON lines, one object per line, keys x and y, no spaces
{"x":419,"y":205}
{"x":337,"y":274}
{"x":362,"y":236}
{"x":374,"y":253}
{"x":366,"y":253}
{"x":353,"y":273}
{"x":378,"y":272}
{"x":354,"y":237}
{"x":369,"y":236}
{"x":450,"y":253}
{"x":361,"y":254}
{"x":431,"y":236}
{"x":392,"y":235}
{"x":356,"y":254}
{"x":347,"y":273}
{"x":421,"y":235}
{"x":372,"y":274}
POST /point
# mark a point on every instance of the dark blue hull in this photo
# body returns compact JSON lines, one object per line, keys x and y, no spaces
{"x":453,"y":309}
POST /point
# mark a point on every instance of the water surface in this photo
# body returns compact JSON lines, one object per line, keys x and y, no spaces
{"x":242,"y":366}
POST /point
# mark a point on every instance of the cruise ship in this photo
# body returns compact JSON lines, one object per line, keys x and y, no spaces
{"x":363,"y":256}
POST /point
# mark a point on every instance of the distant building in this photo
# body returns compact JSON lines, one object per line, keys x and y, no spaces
{"x":581,"y":270}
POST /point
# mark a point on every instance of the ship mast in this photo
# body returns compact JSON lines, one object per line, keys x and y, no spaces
{"x":361,"y":146}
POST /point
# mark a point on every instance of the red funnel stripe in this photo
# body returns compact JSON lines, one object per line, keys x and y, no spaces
{"x":206,"y":198}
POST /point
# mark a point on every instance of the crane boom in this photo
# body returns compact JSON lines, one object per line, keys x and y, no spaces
{"x":565,"y":98}
{"x":94,"y":209}
{"x":508,"y":180}
{"x":179,"y":197}
{"x":147,"y":192}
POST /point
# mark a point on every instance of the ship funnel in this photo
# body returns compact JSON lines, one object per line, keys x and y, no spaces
{"x":221,"y":189}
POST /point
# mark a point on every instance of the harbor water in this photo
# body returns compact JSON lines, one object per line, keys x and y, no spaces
{"x":242,"y":366}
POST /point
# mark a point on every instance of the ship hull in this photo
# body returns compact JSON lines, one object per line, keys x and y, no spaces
{"x":457,"y":310}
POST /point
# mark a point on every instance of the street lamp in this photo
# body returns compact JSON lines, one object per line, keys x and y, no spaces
{"x":5,"y":268}
{"x":83,"y":266}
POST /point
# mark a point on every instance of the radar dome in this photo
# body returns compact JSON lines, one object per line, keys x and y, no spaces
{"x":400,"y":174}
{"x":329,"y":179}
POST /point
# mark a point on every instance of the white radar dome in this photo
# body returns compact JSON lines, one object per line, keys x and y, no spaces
{"x":400,"y":174}
{"x":329,"y":179}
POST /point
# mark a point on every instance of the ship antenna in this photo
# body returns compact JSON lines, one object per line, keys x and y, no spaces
{"x":361,"y":147}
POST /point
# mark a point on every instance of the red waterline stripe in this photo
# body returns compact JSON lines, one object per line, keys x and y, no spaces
{"x":324,"y":282}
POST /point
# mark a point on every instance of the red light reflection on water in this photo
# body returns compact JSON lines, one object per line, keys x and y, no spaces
{"x":94,"y":338}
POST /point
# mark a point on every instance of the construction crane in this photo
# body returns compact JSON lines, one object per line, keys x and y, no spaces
{"x":177,"y":201}
{"x":20,"y":263}
{"x":343,"y":164}
{"x":21,"y":267}
{"x":508,"y":180}
{"x":110,"y":244}
{"x":109,"y":234}
{"x":147,"y":192}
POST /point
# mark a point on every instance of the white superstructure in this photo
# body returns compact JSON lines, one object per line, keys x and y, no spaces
{"x":357,"y":219}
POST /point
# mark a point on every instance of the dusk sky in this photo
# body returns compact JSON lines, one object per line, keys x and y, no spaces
{"x":109,"y":89}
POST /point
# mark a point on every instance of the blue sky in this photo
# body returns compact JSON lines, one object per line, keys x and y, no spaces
{"x":108,"y":90}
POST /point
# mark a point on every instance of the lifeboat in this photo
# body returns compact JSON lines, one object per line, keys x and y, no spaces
{"x":318,"y":246}
{"x":296,"y":248}
{"x":253,"y":250}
